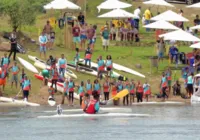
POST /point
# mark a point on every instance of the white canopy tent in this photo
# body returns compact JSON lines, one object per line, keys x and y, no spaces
{"x":179,"y":35}
{"x":159,"y":3}
{"x":117,"y":13}
{"x":113,"y":4}
{"x":195,"y":27}
{"x":61,"y":4}
{"x":161,"y":24}
{"x":196,"y":5}
{"x":170,"y":16}
{"x":196,"y":45}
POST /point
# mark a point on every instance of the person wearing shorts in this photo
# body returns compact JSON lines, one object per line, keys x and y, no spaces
{"x":109,"y":65}
{"x":3,"y":76}
{"x":48,"y":29}
{"x":43,"y":41}
{"x":83,"y":36}
{"x":66,"y":92}
{"x":90,"y":36}
{"x":105,"y":36}
{"x":88,"y":56}
{"x":26,"y":87}
{"x":71,"y":86}
{"x":76,"y":35}
{"x":62,"y":62}
{"x":15,"y":70}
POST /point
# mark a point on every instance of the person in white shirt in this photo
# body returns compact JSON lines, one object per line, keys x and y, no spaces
{"x":137,"y":13}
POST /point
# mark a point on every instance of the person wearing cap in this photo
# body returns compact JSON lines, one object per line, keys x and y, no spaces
{"x":26,"y":87}
{"x":105,"y":36}
{"x":15,"y":70}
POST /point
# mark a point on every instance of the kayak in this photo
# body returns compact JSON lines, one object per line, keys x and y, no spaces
{"x":95,"y":65}
{"x":82,"y":69}
{"x":127,"y":70}
{"x":43,"y":65}
{"x":27,"y":65}
{"x":19,"y":102}
{"x":101,"y":109}
{"x":159,"y":103}
{"x":195,"y":99}
{"x":60,"y":86}
{"x":96,"y":115}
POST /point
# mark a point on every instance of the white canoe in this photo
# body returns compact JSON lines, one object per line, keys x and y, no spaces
{"x":42,"y":65}
{"x":96,"y":115}
{"x":95,"y":65}
{"x":83,"y":69}
{"x":195,"y":99}
{"x":101,"y":109}
{"x":51,"y":101}
{"x":27,"y":65}
{"x":19,"y":102}
{"x":128,"y":70}
{"x":61,"y":89}
{"x":159,"y":103}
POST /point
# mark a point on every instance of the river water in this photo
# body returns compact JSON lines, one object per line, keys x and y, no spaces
{"x":167,"y":122}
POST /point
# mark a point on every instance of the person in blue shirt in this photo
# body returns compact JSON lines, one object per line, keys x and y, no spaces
{"x":173,"y":53}
{"x":105,"y":36}
{"x":190,"y":84}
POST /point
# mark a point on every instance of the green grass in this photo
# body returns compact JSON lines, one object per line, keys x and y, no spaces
{"x":130,"y":55}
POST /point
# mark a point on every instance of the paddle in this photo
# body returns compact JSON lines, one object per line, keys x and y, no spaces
{"x":18,"y":94}
{"x":119,"y":95}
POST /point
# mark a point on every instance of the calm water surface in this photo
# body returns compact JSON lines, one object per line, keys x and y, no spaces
{"x":178,"y":122}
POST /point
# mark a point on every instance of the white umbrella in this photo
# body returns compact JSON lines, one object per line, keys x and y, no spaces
{"x":113,"y":4}
{"x":179,"y":35}
{"x":195,"y":27}
{"x":159,"y":3}
{"x":61,"y":4}
{"x":117,"y":13}
{"x":196,"y":45}
{"x":161,"y":24}
{"x":170,"y":16}
{"x":196,"y":5}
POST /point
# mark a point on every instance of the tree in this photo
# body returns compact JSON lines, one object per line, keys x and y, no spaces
{"x":21,"y":12}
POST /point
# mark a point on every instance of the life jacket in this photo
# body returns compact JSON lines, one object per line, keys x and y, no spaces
{"x":184,"y":76}
{"x":83,"y":104}
{"x":106,"y":87}
{"x":119,"y":87}
{"x":127,"y":86}
{"x":91,"y":107}
{"x":88,"y":56}
{"x":97,"y":87}
{"x":51,"y":90}
{"x":109,"y":64}
{"x":71,"y":86}
{"x":146,"y":89}
{"x":65,"y":87}
{"x":169,"y":78}
{"x":62,"y":63}
{"x":15,"y":70}
{"x":164,"y":82}
{"x":89,"y":88}
{"x":114,"y":90}
{"x":81,"y":91}
{"x":139,"y":88}
{"x":132,"y":87}
{"x":26,"y":85}
{"x":3,"y":74}
{"x":189,"y":80}
{"x":5,"y":62}
{"x":101,"y":65}
{"x":43,"y":40}
{"x":55,"y":75}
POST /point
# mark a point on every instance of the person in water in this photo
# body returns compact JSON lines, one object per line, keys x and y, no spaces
{"x":93,"y":106}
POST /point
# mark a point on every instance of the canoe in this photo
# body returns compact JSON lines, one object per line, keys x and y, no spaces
{"x":27,"y":65}
{"x":51,"y":101}
{"x":42,"y":65}
{"x":96,"y":115}
{"x":101,"y":109}
{"x":59,"y":86}
{"x":94,"y":67}
{"x":19,"y":102}
{"x":159,"y":103}
{"x":195,"y":99}
{"x":127,"y":70}
{"x":82,"y":69}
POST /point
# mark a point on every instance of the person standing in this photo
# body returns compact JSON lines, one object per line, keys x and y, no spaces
{"x":147,"y":90}
{"x":190,"y":84}
{"x":81,"y":91}
{"x":48,"y":29}
{"x":163,"y":86}
{"x":26,"y":88}
{"x":105,"y":35}
{"x":126,"y":98}
{"x":139,"y":92}
{"x":137,"y":14}
{"x":161,"y":49}
{"x":147,"y":15}
{"x":90,"y":36}
{"x":5,"y":61}
{"x":100,"y":67}
{"x":132,"y":91}
{"x":88,"y":56}
{"x":22,"y":78}
{"x":196,"y":20}
{"x":71,"y":86}
{"x":62,"y":63}
{"x":109,"y":65}
{"x":83,"y":36}
{"x":81,"y":19}
{"x":76,"y":35}
{"x":13,"y":41}
{"x":3,"y":76}
{"x":54,"y":79}
{"x":106,"y":89}
{"x":169,"y":78}
{"x":66,"y":92}
{"x":76,"y":58}
{"x":15,"y":70}
{"x":43,"y":42}
{"x":88,"y":87}
{"x":97,"y":86}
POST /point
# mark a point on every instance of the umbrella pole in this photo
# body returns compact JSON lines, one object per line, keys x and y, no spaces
{"x":85,"y":7}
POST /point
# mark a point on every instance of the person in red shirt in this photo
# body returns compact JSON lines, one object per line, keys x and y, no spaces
{"x":91,"y":36}
{"x":76,"y":35}
{"x":139,"y":92}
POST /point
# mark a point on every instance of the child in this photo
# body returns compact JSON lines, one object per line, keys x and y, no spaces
{"x":81,"y":92}
{"x":26,"y":87}
{"x":132,"y":91}
{"x":147,"y":90}
{"x":85,"y":102}
{"x":66,"y":91}
{"x":15,"y":70}
{"x":52,"y":39}
{"x":51,"y":91}
{"x":76,"y":58}
{"x":22,"y":78}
